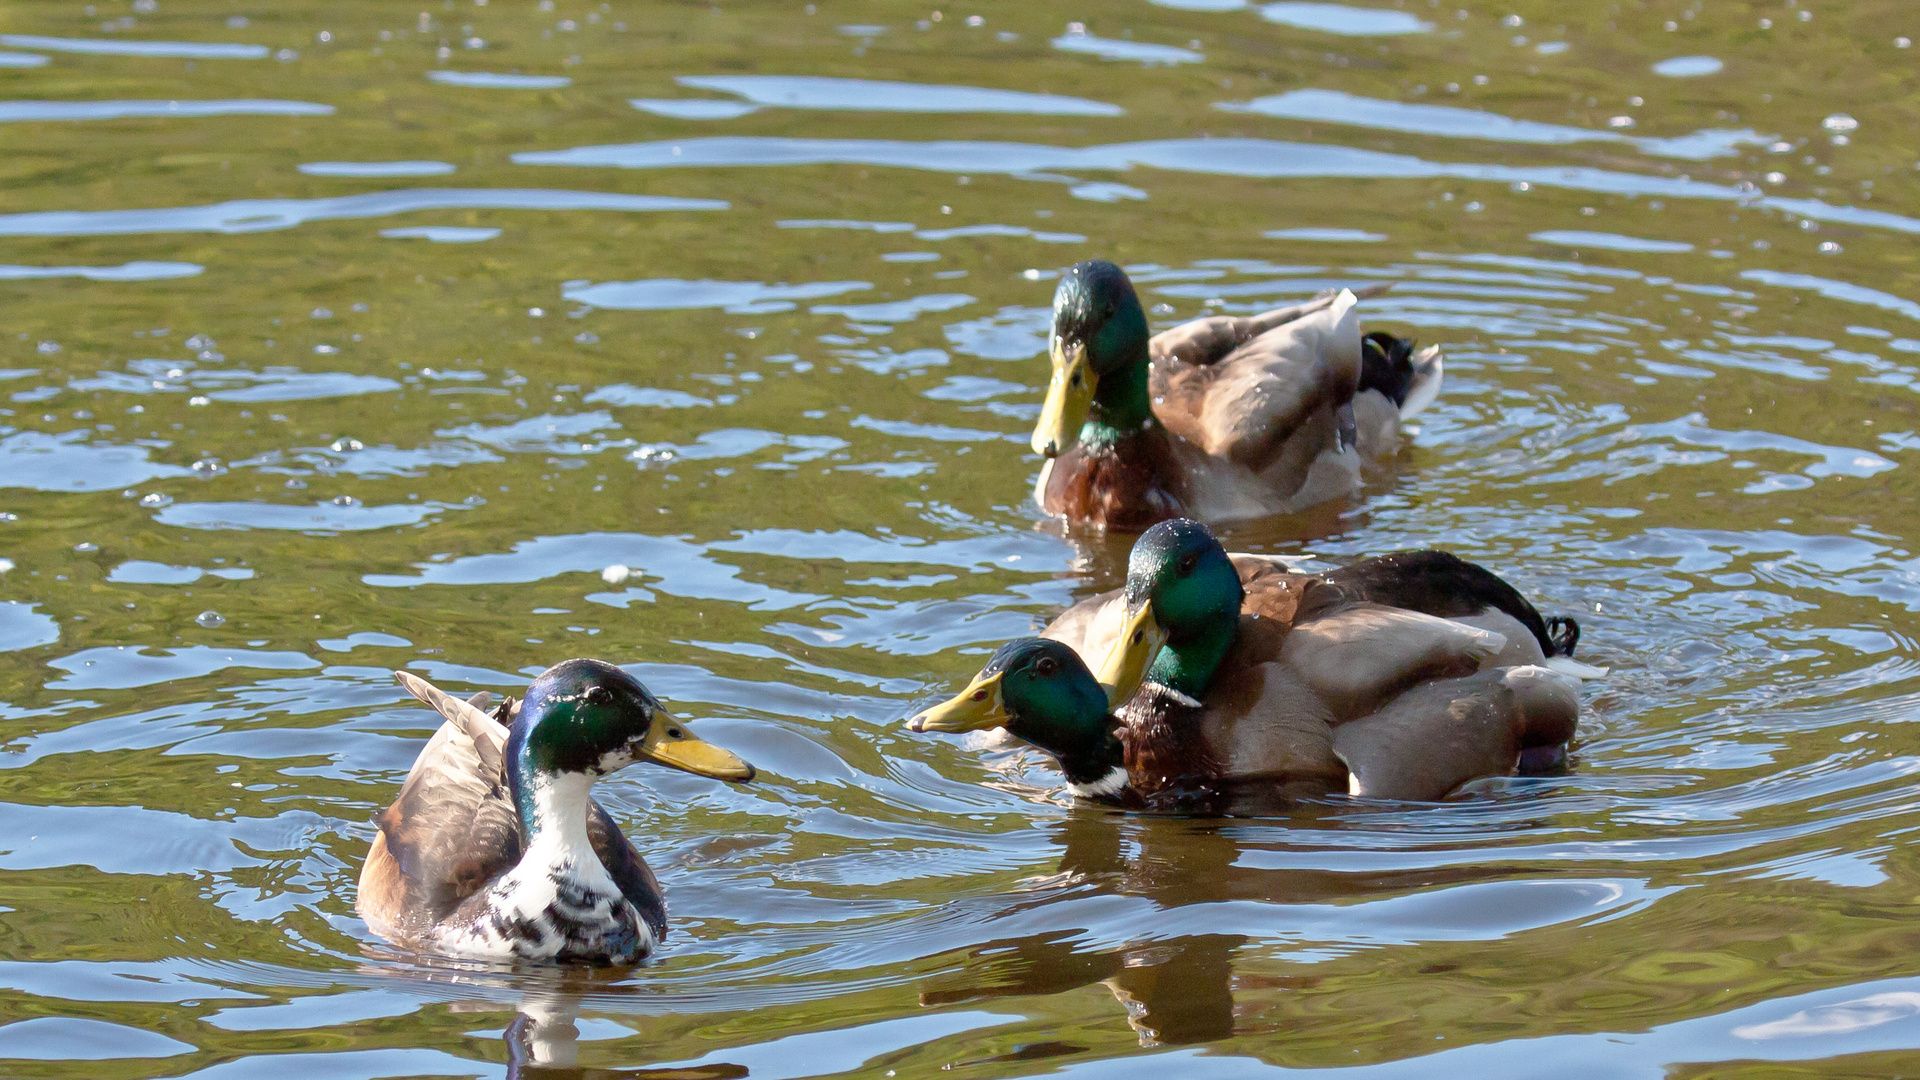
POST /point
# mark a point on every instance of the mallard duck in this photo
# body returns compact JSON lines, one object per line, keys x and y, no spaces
{"x":1221,"y":676}
{"x":494,"y":849}
{"x":1220,"y":418}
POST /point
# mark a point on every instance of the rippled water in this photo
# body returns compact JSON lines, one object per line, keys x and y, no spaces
{"x":344,"y":337}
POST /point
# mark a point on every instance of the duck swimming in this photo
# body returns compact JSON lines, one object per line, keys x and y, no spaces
{"x":494,"y":849}
{"x":1221,"y":418}
{"x":1225,"y":679}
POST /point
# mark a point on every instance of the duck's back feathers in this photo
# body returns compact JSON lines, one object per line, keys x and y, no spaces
{"x":1209,"y":340}
{"x":1245,"y":405}
{"x":1439,"y":735}
{"x":1442,"y":584}
{"x":454,"y":829}
{"x":1359,"y":658}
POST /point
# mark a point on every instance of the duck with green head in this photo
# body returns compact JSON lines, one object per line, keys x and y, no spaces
{"x":494,"y":848}
{"x":1219,"y":418}
{"x":1218,"y":676}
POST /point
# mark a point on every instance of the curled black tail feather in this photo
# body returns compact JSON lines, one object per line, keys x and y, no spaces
{"x":1386,"y":365}
{"x":1564,"y":633}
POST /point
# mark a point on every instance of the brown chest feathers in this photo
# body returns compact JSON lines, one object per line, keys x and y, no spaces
{"x":1128,"y":485}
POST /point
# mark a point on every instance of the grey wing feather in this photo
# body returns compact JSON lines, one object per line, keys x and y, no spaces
{"x":451,"y":830}
{"x":1205,"y":341}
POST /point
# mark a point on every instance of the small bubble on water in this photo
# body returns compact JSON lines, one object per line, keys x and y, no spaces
{"x":286,"y":56}
{"x":1776,"y":178}
{"x":1828,"y":247}
{"x":976,"y":20}
{"x":86,"y":545}
{"x":1475,"y":207}
{"x":1761,"y":245}
{"x":5,"y":565}
{"x":1840,"y":123}
{"x":236,"y":22}
{"x":537,"y":313}
{"x":321,"y":313}
{"x":199,"y":399}
{"x":201,"y":341}
{"x":210,"y":619}
{"x":49,"y":347}
{"x":1809,"y":225}
{"x":586,"y":337}
{"x":345,"y":500}
{"x":155,"y":498}
{"x":1766,"y":24}
{"x":1620,"y":122}
{"x":296,"y":483}
{"x":1513,"y":22}
{"x":1903,"y":43}
{"x":346,"y":445}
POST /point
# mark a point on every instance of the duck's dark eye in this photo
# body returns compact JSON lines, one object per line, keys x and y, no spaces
{"x":1045,"y":667}
{"x":598,"y":695}
{"x":1188,"y":561}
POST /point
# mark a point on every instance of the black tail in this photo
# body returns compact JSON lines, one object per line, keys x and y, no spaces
{"x":1564,"y":631}
{"x":1386,"y":365}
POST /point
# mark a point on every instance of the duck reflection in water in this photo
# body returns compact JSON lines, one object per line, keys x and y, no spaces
{"x":1174,"y":990}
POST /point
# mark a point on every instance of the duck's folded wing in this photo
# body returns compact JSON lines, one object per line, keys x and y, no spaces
{"x":1362,"y":656}
{"x":627,"y":869}
{"x":1090,"y":627}
{"x":1207,"y":341}
{"x":1245,"y":407}
{"x":452,"y":828}
{"x":1442,"y":734}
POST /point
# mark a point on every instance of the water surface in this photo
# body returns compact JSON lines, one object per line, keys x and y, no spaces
{"x":338,"y":338}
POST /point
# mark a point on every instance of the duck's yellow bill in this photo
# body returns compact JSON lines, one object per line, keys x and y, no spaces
{"x":668,"y":742}
{"x":1125,"y":667}
{"x":976,"y":708}
{"x":1069,"y":397}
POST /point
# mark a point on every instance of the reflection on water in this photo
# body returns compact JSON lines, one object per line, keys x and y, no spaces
{"x":720,"y":362}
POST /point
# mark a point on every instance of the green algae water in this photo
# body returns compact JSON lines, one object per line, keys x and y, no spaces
{"x":705,"y":338}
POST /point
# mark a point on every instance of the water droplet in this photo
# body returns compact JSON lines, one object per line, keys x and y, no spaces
{"x":345,"y":500}
{"x":210,"y":619}
{"x":1776,"y":178}
{"x":1766,"y":24}
{"x":1828,"y":247}
{"x":322,"y":313}
{"x":346,"y":445}
{"x":1513,"y":21}
{"x":537,"y":312}
{"x":49,"y":347}
{"x":199,"y":399}
{"x":1475,"y":207}
{"x":5,"y":565}
{"x":286,"y":56}
{"x":586,"y":337}
{"x":1840,"y":123}
{"x":296,"y":483}
{"x":1620,"y":122}
{"x":325,"y":350}
{"x":86,"y":545}
{"x":155,"y":498}
{"x":1903,"y":43}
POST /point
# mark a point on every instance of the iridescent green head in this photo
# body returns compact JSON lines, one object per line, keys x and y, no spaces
{"x":1183,"y":600}
{"x":587,"y":716}
{"x":1040,"y":691}
{"x":1099,"y":348}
